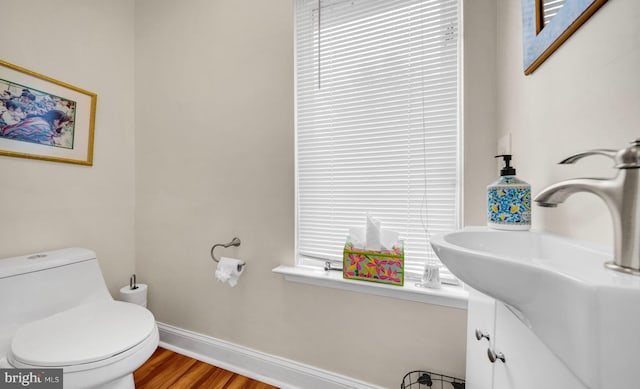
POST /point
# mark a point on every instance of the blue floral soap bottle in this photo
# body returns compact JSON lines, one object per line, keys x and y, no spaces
{"x":509,"y":200}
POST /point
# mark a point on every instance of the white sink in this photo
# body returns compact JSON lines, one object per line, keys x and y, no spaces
{"x":587,"y":315}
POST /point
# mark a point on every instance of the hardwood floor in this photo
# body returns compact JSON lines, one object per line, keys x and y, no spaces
{"x":166,"y":369}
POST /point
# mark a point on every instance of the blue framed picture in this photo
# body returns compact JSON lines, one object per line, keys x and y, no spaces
{"x":545,"y":28}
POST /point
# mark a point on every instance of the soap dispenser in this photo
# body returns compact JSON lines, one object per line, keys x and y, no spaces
{"x":509,"y":200}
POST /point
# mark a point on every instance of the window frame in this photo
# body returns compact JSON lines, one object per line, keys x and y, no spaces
{"x":306,"y":263}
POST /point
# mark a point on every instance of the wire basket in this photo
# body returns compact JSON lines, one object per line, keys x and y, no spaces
{"x":419,"y":379}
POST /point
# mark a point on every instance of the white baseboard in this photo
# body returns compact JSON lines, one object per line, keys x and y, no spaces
{"x":271,"y":369}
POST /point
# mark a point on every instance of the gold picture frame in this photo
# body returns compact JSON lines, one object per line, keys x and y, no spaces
{"x":540,"y":42}
{"x":46,"y":119}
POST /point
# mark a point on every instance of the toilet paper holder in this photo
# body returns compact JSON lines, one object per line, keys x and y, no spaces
{"x":234,"y":242}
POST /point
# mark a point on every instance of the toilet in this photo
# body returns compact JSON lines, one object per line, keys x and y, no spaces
{"x":58,"y":313}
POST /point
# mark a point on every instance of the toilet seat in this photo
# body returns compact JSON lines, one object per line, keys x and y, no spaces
{"x":84,"y":335}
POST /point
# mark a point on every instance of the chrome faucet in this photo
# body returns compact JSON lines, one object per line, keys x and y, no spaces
{"x":620,"y":193}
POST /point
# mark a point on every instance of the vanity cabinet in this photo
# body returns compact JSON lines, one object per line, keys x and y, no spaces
{"x":481,"y":315}
{"x":528,"y":363}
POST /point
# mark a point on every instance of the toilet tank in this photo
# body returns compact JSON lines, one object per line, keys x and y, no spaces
{"x":39,"y":285}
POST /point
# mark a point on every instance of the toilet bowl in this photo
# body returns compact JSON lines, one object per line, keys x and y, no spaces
{"x":62,"y":316}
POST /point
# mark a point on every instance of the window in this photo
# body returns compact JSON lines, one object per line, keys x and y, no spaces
{"x":377,"y":123}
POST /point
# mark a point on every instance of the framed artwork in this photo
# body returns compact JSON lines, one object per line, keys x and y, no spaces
{"x":42,"y":118}
{"x":546,"y":24}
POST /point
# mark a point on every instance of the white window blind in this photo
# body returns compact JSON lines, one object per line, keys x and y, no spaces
{"x":550,"y":8}
{"x":377,"y":103}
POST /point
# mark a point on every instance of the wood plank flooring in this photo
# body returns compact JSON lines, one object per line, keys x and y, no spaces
{"x":166,"y":369}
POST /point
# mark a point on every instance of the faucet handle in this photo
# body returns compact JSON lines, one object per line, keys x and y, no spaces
{"x":574,"y":158}
{"x":626,"y":158}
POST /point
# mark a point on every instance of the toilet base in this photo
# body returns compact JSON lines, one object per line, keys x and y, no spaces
{"x":125,"y":382}
{"x":99,"y":376}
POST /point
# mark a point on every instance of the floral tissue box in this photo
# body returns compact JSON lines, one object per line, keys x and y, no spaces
{"x":385,"y":266}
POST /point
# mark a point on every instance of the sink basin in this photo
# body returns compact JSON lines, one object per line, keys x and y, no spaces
{"x":587,"y":315}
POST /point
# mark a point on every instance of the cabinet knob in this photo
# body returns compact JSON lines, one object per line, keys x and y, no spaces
{"x":480,"y":335}
{"x":493,"y":356}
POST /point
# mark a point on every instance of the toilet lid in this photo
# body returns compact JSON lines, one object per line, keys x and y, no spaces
{"x":84,"y":334}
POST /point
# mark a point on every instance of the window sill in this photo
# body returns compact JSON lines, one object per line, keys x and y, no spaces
{"x":448,"y":296}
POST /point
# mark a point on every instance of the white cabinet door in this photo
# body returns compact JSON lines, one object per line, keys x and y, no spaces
{"x":529,"y":364}
{"x":481,"y":317}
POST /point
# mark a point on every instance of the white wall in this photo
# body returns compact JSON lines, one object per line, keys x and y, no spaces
{"x":479,"y":107}
{"x":214,"y":160}
{"x":214,"y":107}
{"x":585,"y":96}
{"x":46,"y":205}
